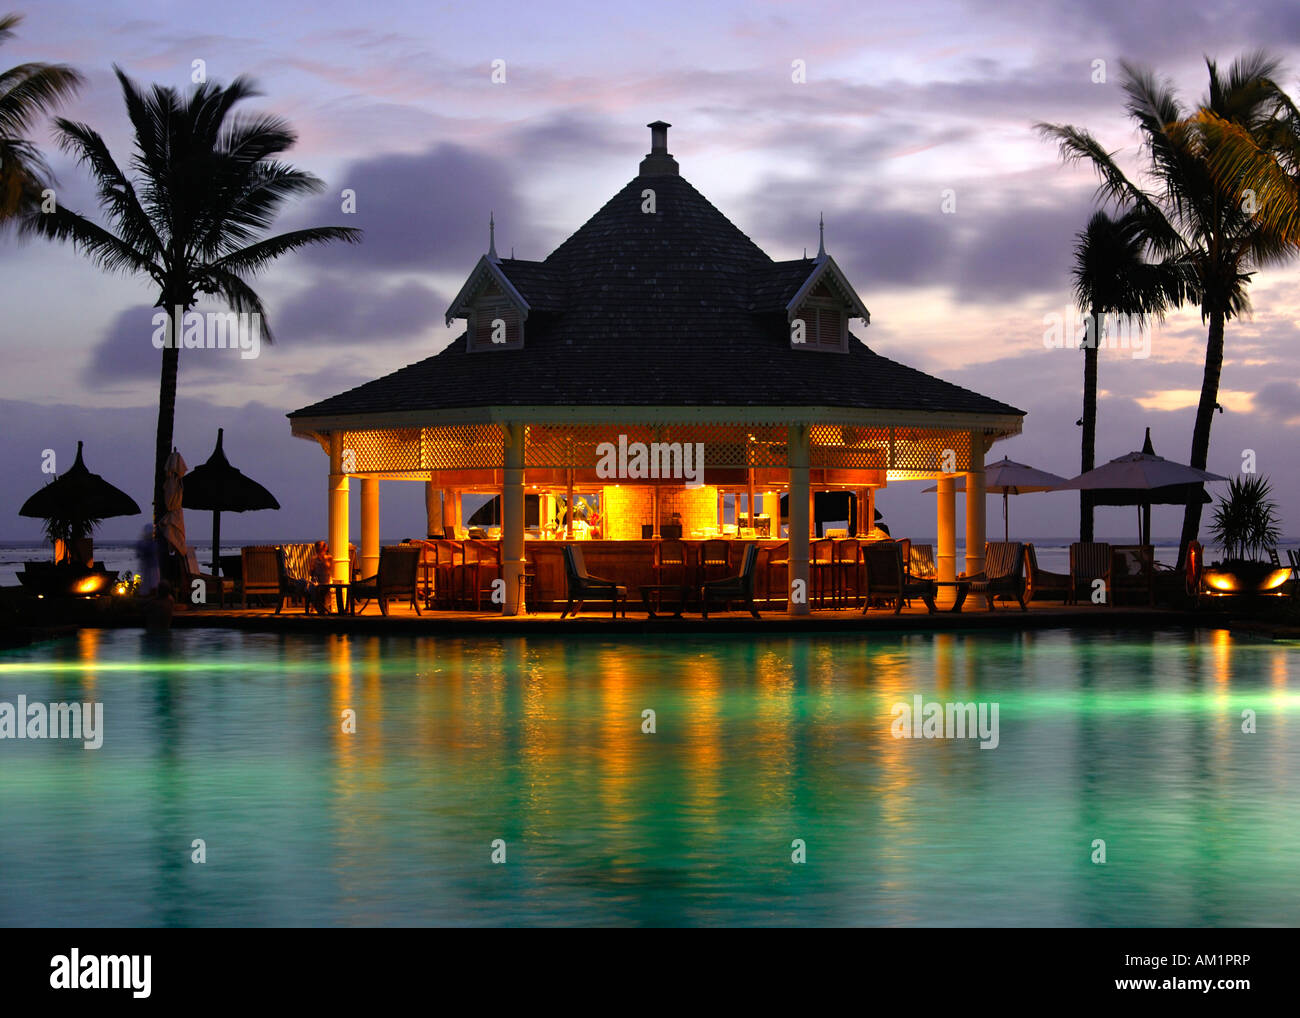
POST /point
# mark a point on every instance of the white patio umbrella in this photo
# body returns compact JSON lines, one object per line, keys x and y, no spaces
{"x":1149,"y":477}
{"x":172,"y":522}
{"x":1006,"y":477}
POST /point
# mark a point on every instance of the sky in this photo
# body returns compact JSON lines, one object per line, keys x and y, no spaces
{"x":902,"y":105}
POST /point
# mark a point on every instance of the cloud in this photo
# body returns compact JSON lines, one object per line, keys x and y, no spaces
{"x":338,"y":308}
{"x":426,"y":211}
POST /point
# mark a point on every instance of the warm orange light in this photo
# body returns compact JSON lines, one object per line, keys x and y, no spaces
{"x":90,"y":585}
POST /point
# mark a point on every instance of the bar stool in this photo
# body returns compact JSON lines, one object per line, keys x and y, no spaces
{"x":777,"y":558}
{"x":670,"y":559}
{"x":847,"y":559}
{"x":821,"y":560}
{"x":715,"y":560}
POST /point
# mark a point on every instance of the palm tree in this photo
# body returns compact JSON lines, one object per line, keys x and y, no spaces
{"x":207,"y":186}
{"x":1195,"y":217}
{"x":1111,"y":277}
{"x":26,"y":92}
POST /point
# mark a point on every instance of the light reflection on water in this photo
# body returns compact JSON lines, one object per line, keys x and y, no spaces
{"x":237,"y":739}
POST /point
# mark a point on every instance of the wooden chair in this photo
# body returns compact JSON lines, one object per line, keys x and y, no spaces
{"x":821,"y":563}
{"x":398,"y":578}
{"x":581,"y":585}
{"x":1041,"y":580}
{"x":190,"y":571}
{"x":733,"y":588}
{"x":1133,"y":568}
{"x":1003,"y":575}
{"x":846,"y":560}
{"x":263,"y":573}
{"x":1293,"y":555}
{"x":886,"y":578}
{"x":921,"y":562}
{"x":1089,"y":561}
{"x":1272,"y":557}
{"x":715,"y":560}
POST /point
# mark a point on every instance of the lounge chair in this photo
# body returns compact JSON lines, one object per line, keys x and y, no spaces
{"x":1089,"y":561}
{"x":581,"y":585}
{"x":1041,"y":580}
{"x":887,"y":579}
{"x":1003,"y":574}
{"x":398,"y":578}
{"x":733,"y":588}
{"x":1293,"y":555}
{"x":1133,"y":568}
{"x":263,"y":574}
{"x":190,"y":572}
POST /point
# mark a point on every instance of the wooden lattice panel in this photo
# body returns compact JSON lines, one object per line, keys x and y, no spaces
{"x":562,"y":446}
{"x":367,"y":452}
{"x":463,"y":447}
{"x":847,"y":447}
{"x":929,"y":450}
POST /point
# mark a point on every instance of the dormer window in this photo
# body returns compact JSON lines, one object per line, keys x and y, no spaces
{"x":495,"y":324}
{"x":493,"y":309}
{"x":825,"y":322}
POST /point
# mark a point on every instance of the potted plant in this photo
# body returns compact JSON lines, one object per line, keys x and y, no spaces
{"x":1245,"y":527}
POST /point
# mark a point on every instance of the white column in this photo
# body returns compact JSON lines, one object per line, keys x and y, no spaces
{"x":799,"y":456}
{"x":946,"y":518}
{"x":338,"y":509}
{"x":512,"y":519}
{"x":369,"y":526}
{"x":975,"y":499}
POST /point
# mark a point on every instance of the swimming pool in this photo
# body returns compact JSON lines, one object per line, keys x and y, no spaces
{"x":763,"y":748}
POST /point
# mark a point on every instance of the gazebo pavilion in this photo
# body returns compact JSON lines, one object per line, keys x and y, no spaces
{"x":655,"y":331}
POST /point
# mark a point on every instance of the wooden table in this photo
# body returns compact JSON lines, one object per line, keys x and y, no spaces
{"x":342,"y":599}
{"x":962,"y":589}
{"x":682,"y":591}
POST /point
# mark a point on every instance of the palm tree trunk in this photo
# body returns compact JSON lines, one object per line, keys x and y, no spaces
{"x":1089,"y":450}
{"x":166,"y":417}
{"x":1204,"y":418}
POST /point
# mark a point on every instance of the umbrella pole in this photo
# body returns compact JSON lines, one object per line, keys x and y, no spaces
{"x":216,"y":542}
{"x":1006,"y":526}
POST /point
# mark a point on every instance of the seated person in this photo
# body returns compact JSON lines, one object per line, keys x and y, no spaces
{"x":320,"y":571}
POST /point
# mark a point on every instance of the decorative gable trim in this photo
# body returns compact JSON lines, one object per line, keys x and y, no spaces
{"x":827,"y":270}
{"x":485,"y":270}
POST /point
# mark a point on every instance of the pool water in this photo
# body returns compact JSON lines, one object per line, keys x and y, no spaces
{"x":764,"y":749}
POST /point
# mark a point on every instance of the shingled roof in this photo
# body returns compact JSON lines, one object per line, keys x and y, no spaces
{"x":675,"y":308}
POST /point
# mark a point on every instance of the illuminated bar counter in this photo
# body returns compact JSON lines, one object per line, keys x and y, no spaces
{"x":631,"y":564}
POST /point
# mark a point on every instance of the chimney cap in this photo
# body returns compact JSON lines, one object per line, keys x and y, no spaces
{"x":658,"y":162}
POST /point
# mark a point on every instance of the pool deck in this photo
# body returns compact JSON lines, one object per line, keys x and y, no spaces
{"x":401,"y":619}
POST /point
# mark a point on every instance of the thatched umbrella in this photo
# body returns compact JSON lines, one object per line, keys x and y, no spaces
{"x":79,"y":495}
{"x":219,"y":487}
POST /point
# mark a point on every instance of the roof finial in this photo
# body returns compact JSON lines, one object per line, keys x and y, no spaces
{"x":492,"y":237}
{"x":821,"y":236}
